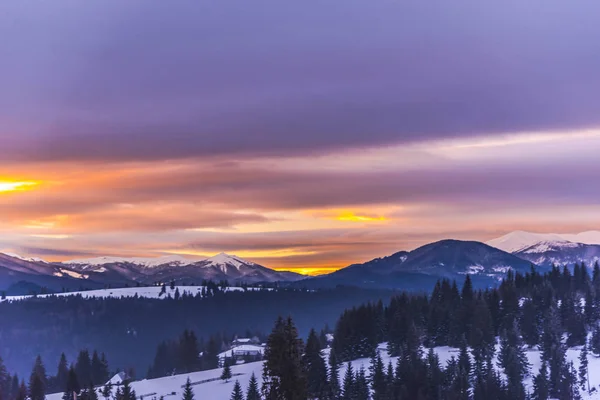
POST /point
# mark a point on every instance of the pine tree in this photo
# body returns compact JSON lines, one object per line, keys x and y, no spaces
{"x":107,"y":391}
{"x":283,"y":375}
{"x":583,"y":368}
{"x":38,"y":381}
{"x":361,"y":386}
{"x":62,"y":373}
{"x":226,"y":374}
{"x":237,"y":392}
{"x":125,"y":392}
{"x":4,"y":379}
{"x":253,"y":393}
{"x":334,"y":376}
{"x":72,"y":388}
{"x":91,"y":392}
{"x":22,"y":393}
{"x":348,"y":385}
{"x":316,"y":370}
{"x":595,"y":341}
{"x":513,"y":360}
{"x":188,"y":392}
{"x":541,"y":384}
{"x":83,"y":366}
{"x":36,"y":388}
{"x":378,"y":379}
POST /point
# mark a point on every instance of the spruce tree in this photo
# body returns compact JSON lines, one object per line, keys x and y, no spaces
{"x":38,"y":381}
{"x":22,"y":394}
{"x":62,"y":373}
{"x":378,"y":378}
{"x":348,"y":385}
{"x":513,"y":360}
{"x":107,"y":391}
{"x":226,"y":374}
{"x":83,"y":366}
{"x":5,"y":379}
{"x":188,"y":392}
{"x":334,"y":376}
{"x":72,"y":388}
{"x":315,"y":368}
{"x":583,"y":368}
{"x":36,"y":388}
{"x":283,"y":375}
{"x":541,"y":390}
{"x":126,"y":392}
{"x":595,"y":341}
{"x":253,"y":393}
{"x":237,"y":392}
{"x":91,"y":392}
{"x":361,"y":386}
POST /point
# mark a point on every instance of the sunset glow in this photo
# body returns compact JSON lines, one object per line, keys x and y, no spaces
{"x":15,"y":186}
{"x":171,"y":133}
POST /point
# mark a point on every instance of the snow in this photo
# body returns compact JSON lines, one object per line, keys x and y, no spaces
{"x":146,"y":262}
{"x":207,"y":384}
{"x":245,"y":348}
{"x":520,"y":240}
{"x":473,"y":270}
{"x":151,"y":292}
{"x":30,"y":259}
{"x":73,"y":274}
{"x":221,"y":261}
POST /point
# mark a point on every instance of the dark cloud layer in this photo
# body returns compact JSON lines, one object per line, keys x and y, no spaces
{"x":161,"y":80}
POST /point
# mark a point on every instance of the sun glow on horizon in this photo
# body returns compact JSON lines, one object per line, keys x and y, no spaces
{"x":352,"y":217}
{"x":7,"y":186}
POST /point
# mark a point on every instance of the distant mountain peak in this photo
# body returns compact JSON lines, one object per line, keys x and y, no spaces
{"x":142,"y":261}
{"x":520,"y":240}
{"x":222,"y":260}
{"x":30,"y":259}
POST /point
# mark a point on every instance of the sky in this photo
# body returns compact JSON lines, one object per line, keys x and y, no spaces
{"x":301,"y":135}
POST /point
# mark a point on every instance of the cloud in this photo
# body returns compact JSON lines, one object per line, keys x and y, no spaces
{"x":155,"y":81}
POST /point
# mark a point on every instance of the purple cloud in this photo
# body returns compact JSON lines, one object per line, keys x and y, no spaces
{"x":157,"y":80}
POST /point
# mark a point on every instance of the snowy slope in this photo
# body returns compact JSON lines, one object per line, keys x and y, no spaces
{"x":519,"y":240}
{"x":141,"y":261}
{"x":546,"y":250}
{"x":151,"y":292}
{"x":31,"y":259}
{"x":208,"y":385}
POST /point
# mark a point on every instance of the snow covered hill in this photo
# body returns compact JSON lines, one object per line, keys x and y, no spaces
{"x":546,"y":250}
{"x":421,"y":268}
{"x":140,"y":261}
{"x":151,"y":292}
{"x":31,"y":274}
{"x":208,"y":385}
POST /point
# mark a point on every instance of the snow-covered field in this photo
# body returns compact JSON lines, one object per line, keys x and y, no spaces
{"x":150,"y":292}
{"x":215,"y":389}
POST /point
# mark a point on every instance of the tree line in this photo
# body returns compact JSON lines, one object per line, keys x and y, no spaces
{"x":492,"y":330}
{"x":84,"y":372}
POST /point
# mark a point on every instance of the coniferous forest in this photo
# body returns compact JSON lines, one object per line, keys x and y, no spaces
{"x":491,"y":329}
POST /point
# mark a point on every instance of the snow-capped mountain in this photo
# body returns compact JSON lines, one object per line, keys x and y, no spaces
{"x":420,"y":268}
{"x":518,"y":240}
{"x":116,"y":271}
{"x":546,"y":250}
{"x":141,"y":261}
{"x":223,"y":267}
{"x":31,"y":274}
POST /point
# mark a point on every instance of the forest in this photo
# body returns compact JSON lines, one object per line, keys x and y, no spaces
{"x":492,"y":329}
{"x":129,"y":330}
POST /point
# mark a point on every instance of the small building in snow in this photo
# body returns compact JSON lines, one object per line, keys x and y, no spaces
{"x":242,"y":353}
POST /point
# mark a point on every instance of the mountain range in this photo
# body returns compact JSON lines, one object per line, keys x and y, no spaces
{"x":486,"y":263}
{"x":20,"y":274}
